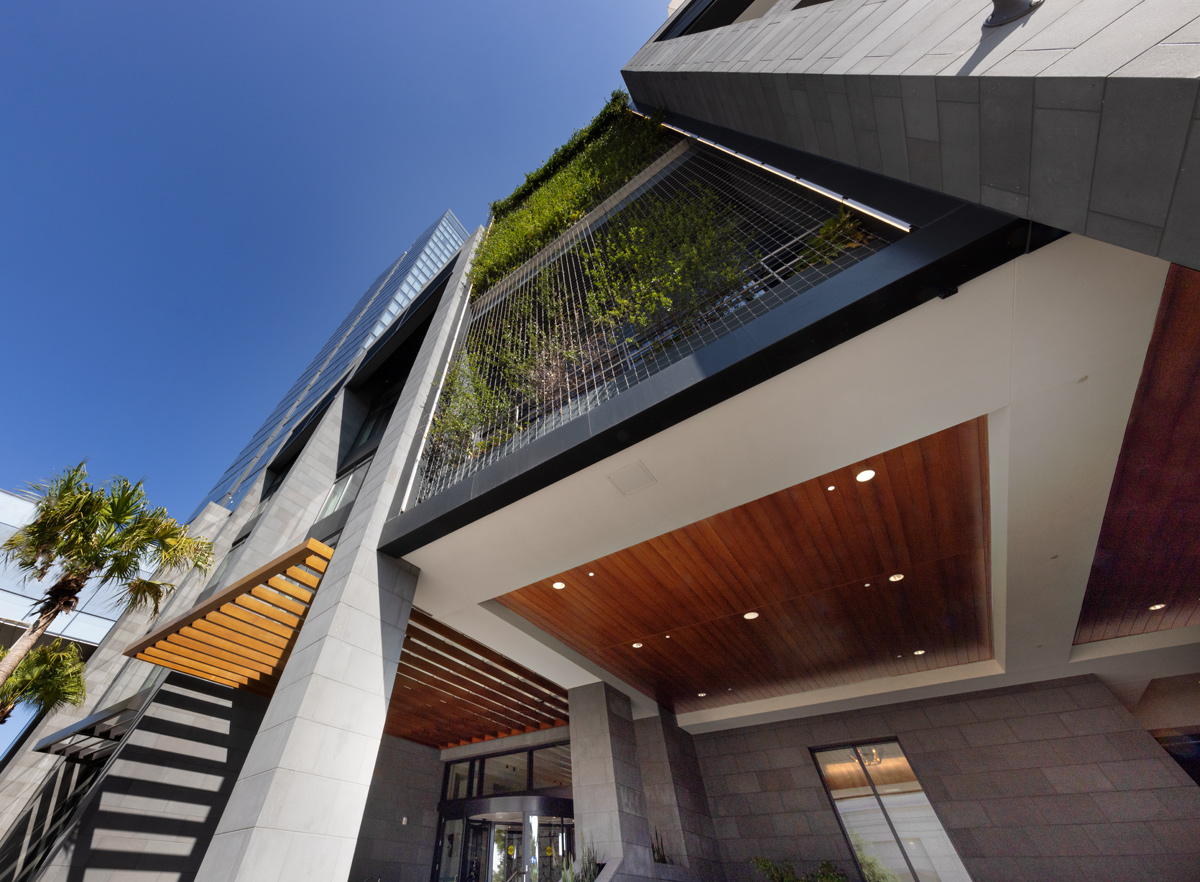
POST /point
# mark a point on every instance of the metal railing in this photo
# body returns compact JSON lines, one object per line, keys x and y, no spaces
{"x":698,"y":245}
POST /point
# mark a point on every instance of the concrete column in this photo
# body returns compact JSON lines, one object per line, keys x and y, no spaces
{"x":610,"y":808}
{"x":297,"y":807}
{"x":676,"y":802}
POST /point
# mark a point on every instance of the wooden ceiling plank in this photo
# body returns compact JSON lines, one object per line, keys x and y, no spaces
{"x":431,"y":624}
{"x":291,"y":589}
{"x":171,"y":647}
{"x":266,"y":610}
{"x":276,"y":598}
{"x":304,"y":578}
{"x":501,"y":681}
{"x":466,"y":688}
{"x":237,"y":637}
{"x":157,"y":655}
{"x":211,"y":649}
{"x":287,"y":559}
{"x":212,"y":638}
{"x":184,"y":669}
{"x":238,"y":620}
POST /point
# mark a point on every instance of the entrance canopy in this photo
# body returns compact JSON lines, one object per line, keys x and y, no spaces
{"x":242,"y":636}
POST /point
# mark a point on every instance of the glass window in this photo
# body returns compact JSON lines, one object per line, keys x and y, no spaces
{"x":450,"y":859}
{"x":458,"y":775}
{"x":505,"y":774}
{"x":344,"y":490}
{"x":552,"y":767}
{"x":889,"y":820}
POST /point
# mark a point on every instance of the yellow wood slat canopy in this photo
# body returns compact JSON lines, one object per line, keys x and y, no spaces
{"x":242,"y":636}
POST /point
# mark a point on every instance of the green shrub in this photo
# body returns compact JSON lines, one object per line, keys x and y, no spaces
{"x":784,"y":872}
{"x":595,"y":163}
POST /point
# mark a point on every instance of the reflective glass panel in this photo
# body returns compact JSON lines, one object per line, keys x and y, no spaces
{"x":457,"y":778}
{"x":552,"y":767}
{"x":866,"y":825}
{"x":505,"y":774}
{"x":929,"y":849}
{"x":450,"y":859}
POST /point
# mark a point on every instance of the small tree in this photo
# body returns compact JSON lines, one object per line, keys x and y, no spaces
{"x":106,"y":532}
{"x":45,"y":680}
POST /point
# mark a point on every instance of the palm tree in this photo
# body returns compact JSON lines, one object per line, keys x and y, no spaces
{"x":46,"y":679}
{"x":106,"y":532}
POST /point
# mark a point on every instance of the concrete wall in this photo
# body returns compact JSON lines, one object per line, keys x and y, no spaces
{"x":156,"y":809}
{"x":1054,"y":780}
{"x":396,"y":840}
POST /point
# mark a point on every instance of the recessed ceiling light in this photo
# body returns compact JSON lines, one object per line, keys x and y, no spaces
{"x":1158,"y":606}
{"x":895,"y":577}
{"x":591,"y":574}
{"x":668,"y":636}
{"x":750,"y":615}
{"x":919,"y":652}
{"x":560,"y":585}
{"x":701,"y":694}
{"x":831,"y":487}
{"x":866,"y":584}
{"x":865,"y":475}
{"x":637,"y":646}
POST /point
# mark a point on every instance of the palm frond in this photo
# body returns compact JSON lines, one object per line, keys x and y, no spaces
{"x":48,"y":678}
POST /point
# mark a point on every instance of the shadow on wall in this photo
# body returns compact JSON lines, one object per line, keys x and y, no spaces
{"x":157,"y":807}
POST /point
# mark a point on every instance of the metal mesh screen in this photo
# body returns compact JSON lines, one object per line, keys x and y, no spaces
{"x":699,"y":245}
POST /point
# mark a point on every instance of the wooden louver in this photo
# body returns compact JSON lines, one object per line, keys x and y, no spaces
{"x":451,"y":689}
{"x":242,"y":636}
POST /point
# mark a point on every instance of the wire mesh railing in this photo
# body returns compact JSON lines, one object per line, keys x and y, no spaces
{"x":698,"y":245}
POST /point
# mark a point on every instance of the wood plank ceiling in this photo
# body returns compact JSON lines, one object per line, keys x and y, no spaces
{"x":1149,"y":548}
{"x":816,"y":562}
{"x":242,"y":636}
{"x":453,"y":690}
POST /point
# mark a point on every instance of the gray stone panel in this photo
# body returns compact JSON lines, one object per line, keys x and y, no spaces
{"x":1030,"y":782}
{"x":399,"y":826}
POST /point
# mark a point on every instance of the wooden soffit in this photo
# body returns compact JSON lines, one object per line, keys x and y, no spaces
{"x":242,"y":636}
{"x":1149,"y":548}
{"x":452,"y":690}
{"x":815,"y":562}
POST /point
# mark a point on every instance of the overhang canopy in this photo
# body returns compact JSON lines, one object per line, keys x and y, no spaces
{"x":242,"y":636}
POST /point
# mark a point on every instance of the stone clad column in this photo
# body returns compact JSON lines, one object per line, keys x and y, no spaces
{"x":610,"y":808}
{"x":295,"y":812}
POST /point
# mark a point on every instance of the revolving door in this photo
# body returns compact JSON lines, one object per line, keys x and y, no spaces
{"x":505,"y":839}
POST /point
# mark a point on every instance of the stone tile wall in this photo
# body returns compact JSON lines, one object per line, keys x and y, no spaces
{"x":1051,"y":781}
{"x":396,"y":840}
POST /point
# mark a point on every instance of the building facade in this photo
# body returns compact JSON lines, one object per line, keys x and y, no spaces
{"x":824,"y":491}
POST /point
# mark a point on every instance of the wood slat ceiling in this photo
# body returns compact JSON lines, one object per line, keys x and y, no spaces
{"x":453,"y":690}
{"x":815,"y":564}
{"x":242,"y":636}
{"x":1149,"y":551}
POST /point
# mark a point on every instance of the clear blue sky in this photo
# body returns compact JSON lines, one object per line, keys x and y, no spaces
{"x":193,"y":194}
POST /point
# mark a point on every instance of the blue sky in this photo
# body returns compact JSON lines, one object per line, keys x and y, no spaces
{"x":192,"y":195}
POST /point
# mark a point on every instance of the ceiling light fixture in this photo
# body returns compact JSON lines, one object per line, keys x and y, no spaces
{"x":919,"y":652}
{"x":895,"y":577}
{"x":591,"y":574}
{"x":637,"y":646}
{"x":701,"y":694}
{"x":866,"y":584}
{"x":560,"y":585}
{"x":865,"y":475}
{"x":1158,"y":606}
{"x":750,"y":615}
{"x":668,"y":636}
{"x":831,"y":487}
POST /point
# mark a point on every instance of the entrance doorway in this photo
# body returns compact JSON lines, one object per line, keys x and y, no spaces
{"x":506,"y":839}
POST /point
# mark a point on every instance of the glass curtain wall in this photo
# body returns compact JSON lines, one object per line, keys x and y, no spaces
{"x":891,"y":825}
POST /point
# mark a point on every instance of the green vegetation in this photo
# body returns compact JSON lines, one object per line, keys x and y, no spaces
{"x":46,"y":679}
{"x":784,"y":872}
{"x":836,"y":236}
{"x":81,"y":531}
{"x":665,"y":260}
{"x":597,"y":160}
